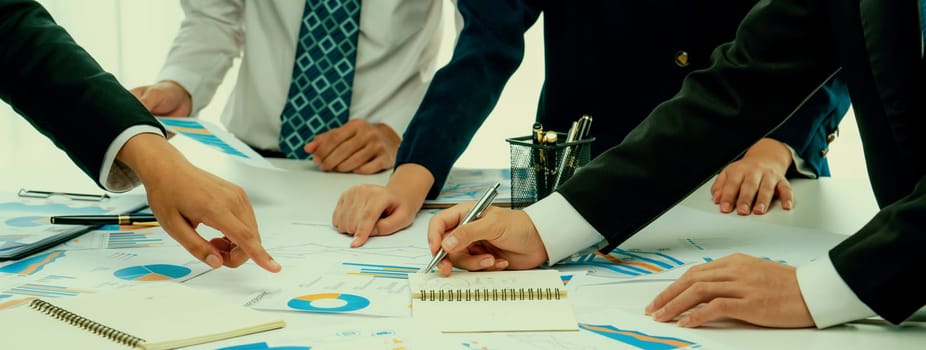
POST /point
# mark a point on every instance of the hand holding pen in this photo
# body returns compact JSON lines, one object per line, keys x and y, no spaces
{"x":484,"y":202}
{"x":501,"y":239}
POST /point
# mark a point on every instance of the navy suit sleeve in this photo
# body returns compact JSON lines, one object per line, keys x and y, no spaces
{"x":463,"y":93}
{"x":53,"y":83}
{"x":807,"y":130}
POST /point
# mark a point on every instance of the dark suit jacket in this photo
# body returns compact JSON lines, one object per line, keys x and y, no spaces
{"x":52,"y":82}
{"x":790,"y":47}
{"x":613,"y":60}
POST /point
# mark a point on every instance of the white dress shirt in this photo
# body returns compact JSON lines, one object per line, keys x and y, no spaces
{"x":830,"y":301}
{"x":397,"y":51}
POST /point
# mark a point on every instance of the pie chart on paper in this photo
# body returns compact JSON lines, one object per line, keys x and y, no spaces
{"x":329,"y":302}
{"x":155,"y":272}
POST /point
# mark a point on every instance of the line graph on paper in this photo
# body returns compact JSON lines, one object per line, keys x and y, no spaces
{"x":621,"y":263}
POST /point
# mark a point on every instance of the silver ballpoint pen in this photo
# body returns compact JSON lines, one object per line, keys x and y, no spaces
{"x":473,"y":214}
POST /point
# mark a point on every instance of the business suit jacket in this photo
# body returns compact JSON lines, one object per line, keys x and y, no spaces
{"x":52,"y":82}
{"x":789,"y":46}
{"x":613,"y":60}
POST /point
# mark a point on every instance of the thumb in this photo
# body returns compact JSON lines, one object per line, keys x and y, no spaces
{"x":143,"y":94}
{"x":463,"y":236}
{"x":394,"y":222}
{"x":139,"y":92}
{"x":179,"y":228}
{"x":311,"y":147}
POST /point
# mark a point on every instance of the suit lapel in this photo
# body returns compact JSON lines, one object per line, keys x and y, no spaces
{"x":892,"y":37}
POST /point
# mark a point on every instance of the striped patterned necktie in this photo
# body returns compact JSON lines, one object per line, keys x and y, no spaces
{"x":323,"y":73}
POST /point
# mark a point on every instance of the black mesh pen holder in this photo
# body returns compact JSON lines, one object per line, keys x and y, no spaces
{"x":536,"y":169}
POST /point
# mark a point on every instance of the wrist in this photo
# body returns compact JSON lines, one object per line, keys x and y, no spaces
{"x":412,"y":182}
{"x":388,"y":132}
{"x":772,"y":152}
{"x":146,"y":154}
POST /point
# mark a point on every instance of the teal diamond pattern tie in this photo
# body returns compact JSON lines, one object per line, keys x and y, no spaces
{"x":323,"y":73}
{"x":923,"y":18}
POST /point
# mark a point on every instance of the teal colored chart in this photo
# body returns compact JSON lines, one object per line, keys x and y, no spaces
{"x":27,"y":221}
{"x":637,"y":339}
{"x":154,"y":272}
{"x":32,"y":265}
{"x":329,"y":302}
{"x":46,"y":208}
{"x":263,"y":346}
{"x":193,"y":129}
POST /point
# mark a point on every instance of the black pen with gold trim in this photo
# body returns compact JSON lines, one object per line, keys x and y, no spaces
{"x":89,"y":220}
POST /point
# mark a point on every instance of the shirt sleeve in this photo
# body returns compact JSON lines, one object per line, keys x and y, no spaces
{"x":211,"y":36}
{"x":563,"y":231}
{"x":463,"y":93}
{"x":800,"y":165}
{"x":828,"y":298}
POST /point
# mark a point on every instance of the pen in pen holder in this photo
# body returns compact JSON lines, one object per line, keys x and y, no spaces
{"x":535,"y":166}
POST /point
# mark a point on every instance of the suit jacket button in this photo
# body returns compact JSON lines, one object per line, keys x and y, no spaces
{"x":830,"y":138}
{"x":824,"y":152}
{"x":681,"y":59}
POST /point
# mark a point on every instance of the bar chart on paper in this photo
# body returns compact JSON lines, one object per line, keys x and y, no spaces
{"x":212,"y":136}
{"x":51,"y":286}
{"x":380,"y":271}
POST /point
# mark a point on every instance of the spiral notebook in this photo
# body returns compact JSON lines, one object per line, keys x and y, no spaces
{"x":152,"y":316}
{"x":501,"y":301}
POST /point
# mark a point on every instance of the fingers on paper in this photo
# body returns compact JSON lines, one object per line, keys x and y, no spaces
{"x":718,"y":186}
{"x":785,"y":194}
{"x":358,"y":213}
{"x":700,"y":273}
{"x":246,"y":236}
{"x":179,"y":228}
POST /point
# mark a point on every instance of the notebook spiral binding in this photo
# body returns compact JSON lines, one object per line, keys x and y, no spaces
{"x":79,"y":321}
{"x":494,"y":294}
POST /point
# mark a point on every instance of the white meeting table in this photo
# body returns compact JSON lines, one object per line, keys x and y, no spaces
{"x":303,"y":193}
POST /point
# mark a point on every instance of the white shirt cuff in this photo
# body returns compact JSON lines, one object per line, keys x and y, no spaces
{"x":828,"y":298}
{"x":562,"y":229}
{"x":114,"y":175}
{"x":800,"y":165}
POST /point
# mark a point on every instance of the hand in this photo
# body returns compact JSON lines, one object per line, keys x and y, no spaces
{"x":500,"y":239}
{"x":753,"y":181}
{"x":757,"y":291}
{"x":371,"y":210}
{"x":182,"y":196}
{"x":165,"y":99}
{"x":358,"y":147}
